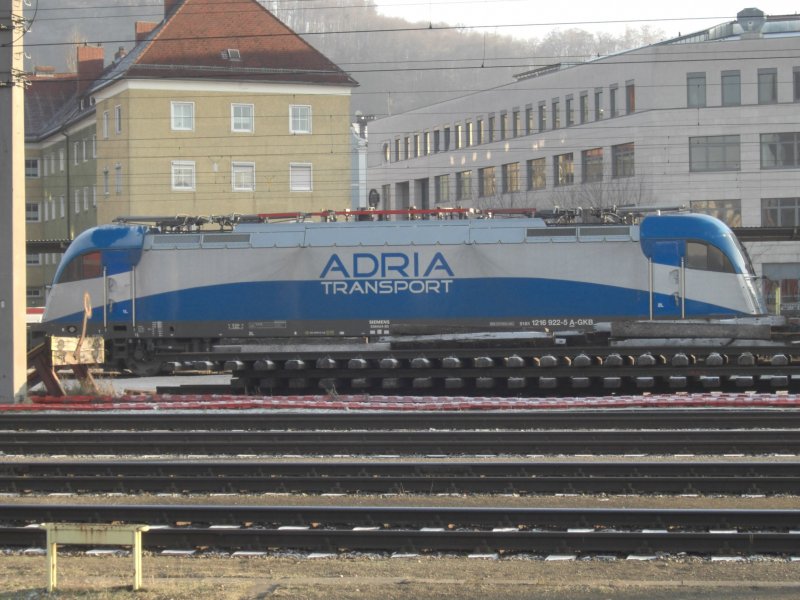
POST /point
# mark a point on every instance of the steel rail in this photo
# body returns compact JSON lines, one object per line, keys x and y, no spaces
{"x":431,"y":529}
{"x":578,"y":418}
{"x":401,"y":442}
{"x":391,"y":477}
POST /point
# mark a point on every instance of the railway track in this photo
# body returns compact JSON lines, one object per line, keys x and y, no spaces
{"x":517,"y":477}
{"x":539,"y":419}
{"x":424,"y":529}
{"x":411,"y":443}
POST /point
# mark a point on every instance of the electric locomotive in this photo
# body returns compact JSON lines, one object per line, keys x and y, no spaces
{"x":155,"y":290}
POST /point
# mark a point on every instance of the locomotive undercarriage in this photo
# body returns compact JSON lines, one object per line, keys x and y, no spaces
{"x":502,"y":364}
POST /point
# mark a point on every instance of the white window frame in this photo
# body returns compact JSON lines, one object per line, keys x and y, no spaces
{"x":77,"y":201}
{"x":176,"y":121}
{"x":297,"y":169}
{"x":118,"y":119}
{"x":105,"y":124}
{"x":33,"y":259}
{"x":118,"y":178}
{"x":76,"y":146}
{"x":61,"y":159}
{"x":296,"y":121}
{"x":30,"y":209}
{"x":46,"y":211}
{"x":29,"y":170}
{"x":234,"y":117}
{"x":62,"y":201}
{"x":240,"y":167}
{"x":94,"y":195}
{"x":85,"y":157}
{"x":94,"y":146}
{"x":86,"y":199}
{"x":105,"y":181}
{"x":177,"y":166}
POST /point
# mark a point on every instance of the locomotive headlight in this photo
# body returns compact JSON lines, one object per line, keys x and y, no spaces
{"x":72,"y":329}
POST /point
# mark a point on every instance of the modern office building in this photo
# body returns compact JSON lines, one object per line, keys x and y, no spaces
{"x":709,"y":121}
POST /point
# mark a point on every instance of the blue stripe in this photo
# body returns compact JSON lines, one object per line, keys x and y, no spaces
{"x":468,"y":298}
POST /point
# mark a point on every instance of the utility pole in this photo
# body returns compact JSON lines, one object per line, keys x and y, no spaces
{"x":13,"y":357}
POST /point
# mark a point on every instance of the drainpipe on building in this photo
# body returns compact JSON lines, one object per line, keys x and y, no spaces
{"x":68,"y":195}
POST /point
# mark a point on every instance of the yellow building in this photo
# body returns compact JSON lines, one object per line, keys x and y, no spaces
{"x":214,"y":111}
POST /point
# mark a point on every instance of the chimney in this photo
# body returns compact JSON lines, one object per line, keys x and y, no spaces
{"x":120,"y":54}
{"x":90,"y":65}
{"x":169,"y":7}
{"x":142,"y":29}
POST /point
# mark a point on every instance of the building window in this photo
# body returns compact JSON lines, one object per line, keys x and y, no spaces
{"x":300,"y":118}
{"x":780,"y":150}
{"x":436,"y":141}
{"x":105,"y":125}
{"x":118,"y":119}
{"x":94,"y":146}
{"x":426,"y":143}
{"x":94,"y":195}
{"x":622,"y":160}
{"x":696,"y":90}
{"x":504,"y":125}
{"x":515,"y":124}
{"x":446,"y":139}
{"x":563,"y":169}
{"x":62,"y":204}
{"x":528,"y":120}
{"x":780,"y":212}
{"x":300,"y":177}
{"x":612,"y":101}
{"x":105,"y":181}
{"x":480,"y":132}
{"x":396,"y":156}
{"x":487,"y":185}
{"x":592,"y":165}
{"x":33,"y":260}
{"x":386,"y":194}
{"x":77,"y":201}
{"x":470,"y":134}
{"x":118,"y":178}
{"x":76,"y":149}
{"x":61,"y":159}
{"x":598,"y":105}
{"x":583,"y":107}
{"x":86,"y":199}
{"x":767,"y":86}
{"x":459,"y":135}
{"x":537,"y":176}
{"x":442,"y":189}
{"x":242,"y":118}
{"x":182,"y":116}
{"x":83,"y":151}
{"x":630,"y":97}
{"x":32,"y":293}
{"x":731,"y":88}
{"x":556,"y":114}
{"x":406,"y":148}
{"x":387,"y":152}
{"x":490,"y":131}
{"x":183,"y":175}
{"x":463,"y":185}
{"x":243,"y":176}
{"x":570,"y":111}
{"x":32,"y":212}
{"x":714,"y":153}
{"x":796,"y":84}
{"x":32,"y":168}
{"x":542,"y":117}
{"x":729,"y":211}
{"x":510,"y":173}
{"x":417,"y":146}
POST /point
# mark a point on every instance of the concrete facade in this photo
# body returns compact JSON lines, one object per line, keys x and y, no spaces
{"x":707,"y":121}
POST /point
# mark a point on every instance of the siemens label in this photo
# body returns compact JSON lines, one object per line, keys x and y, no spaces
{"x":386,"y":273}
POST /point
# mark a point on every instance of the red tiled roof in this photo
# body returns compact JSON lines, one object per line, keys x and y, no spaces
{"x":194,"y":40}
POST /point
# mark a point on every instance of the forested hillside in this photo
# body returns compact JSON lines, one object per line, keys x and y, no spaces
{"x":399,"y":64}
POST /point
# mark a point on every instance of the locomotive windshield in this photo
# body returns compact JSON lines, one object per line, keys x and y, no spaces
{"x":85,"y":266}
{"x":700,"y":255}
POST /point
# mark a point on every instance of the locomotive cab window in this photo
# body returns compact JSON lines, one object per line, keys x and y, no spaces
{"x":85,"y":266}
{"x":707,"y":258}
